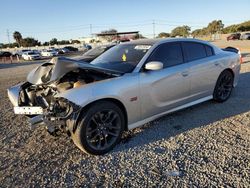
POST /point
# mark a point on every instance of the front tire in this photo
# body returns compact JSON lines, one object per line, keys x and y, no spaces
{"x":100,"y":128}
{"x":224,"y":86}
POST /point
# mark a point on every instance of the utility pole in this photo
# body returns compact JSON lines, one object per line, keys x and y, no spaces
{"x":90,"y":29}
{"x":153,"y":28}
{"x":8,"y":35}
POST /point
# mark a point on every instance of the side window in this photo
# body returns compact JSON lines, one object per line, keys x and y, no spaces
{"x":169,"y":54}
{"x":194,"y":51}
{"x":209,"y":50}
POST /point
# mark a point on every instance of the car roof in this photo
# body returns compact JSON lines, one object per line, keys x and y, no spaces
{"x":159,"y":41}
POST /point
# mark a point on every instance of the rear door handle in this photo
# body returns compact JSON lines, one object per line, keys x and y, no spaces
{"x":184,"y":74}
{"x":216,"y":63}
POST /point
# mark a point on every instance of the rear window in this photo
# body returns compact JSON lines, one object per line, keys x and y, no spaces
{"x":194,"y":51}
{"x":209,"y":50}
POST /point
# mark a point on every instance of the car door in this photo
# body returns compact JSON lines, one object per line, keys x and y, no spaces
{"x":203,"y":70}
{"x":167,"y":88}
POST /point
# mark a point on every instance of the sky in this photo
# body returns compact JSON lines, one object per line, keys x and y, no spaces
{"x":65,"y":19}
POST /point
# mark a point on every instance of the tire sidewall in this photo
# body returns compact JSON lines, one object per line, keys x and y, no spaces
{"x":215,"y":96}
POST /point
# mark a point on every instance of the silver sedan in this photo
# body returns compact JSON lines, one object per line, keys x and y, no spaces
{"x":127,"y":86}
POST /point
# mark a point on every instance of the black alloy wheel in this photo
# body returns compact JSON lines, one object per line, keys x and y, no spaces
{"x":224,"y":86}
{"x":100,"y":128}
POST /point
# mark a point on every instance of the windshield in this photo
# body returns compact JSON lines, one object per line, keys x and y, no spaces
{"x":96,"y":51}
{"x":123,"y":58}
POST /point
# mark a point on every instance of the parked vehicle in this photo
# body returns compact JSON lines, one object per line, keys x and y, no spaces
{"x":94,"y":53}
{"x":20,"y":53}
{"x":5,"y":54}
{"x":234,"y":36}
{"x":86,"y":47}
{"x":245,"y":36}
{"x":71,"y":48}
{"x":30,"y":55}
{"x":49,"y":53}
{"x":59,"y":51}
{"x":125,"y":87}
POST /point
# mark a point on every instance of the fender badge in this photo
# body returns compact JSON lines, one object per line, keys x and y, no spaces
{"x":133,"y":99}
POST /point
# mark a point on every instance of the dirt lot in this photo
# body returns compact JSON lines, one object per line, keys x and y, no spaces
{"x":205,"y":145}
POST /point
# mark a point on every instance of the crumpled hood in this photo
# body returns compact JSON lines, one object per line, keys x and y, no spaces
{"x":58,"y":67}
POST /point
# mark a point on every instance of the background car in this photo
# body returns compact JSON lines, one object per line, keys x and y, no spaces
{"x":20,"y":52}
{"x":71,"y":48}
{"x":30,"y":55}
{"x":49,"y":53}
{"x":86,"y":47}
{"x":234,"y":36}
{"x":245,"y":36}
{"x":94,"y":53}
{"x":5,"y":54}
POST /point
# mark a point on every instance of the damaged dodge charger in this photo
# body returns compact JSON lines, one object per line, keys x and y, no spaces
{"x":127,"y":86}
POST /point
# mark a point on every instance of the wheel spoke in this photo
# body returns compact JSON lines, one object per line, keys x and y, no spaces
{"x":93,"y":139}
{"x":107,"y":116}
{"x":91,"y":132}
{"x":112,"y":134}
{"x":113,"y":127}
{"x":111,"y":119}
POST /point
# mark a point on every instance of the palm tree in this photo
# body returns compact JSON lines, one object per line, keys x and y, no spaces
{"x":18,"y":37}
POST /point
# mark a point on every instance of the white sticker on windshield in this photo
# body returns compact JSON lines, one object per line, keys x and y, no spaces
{"x":142,"y":47}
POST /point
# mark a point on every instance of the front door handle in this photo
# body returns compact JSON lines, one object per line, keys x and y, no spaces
{"x":184,"y":74}
{"x":216,"y":63}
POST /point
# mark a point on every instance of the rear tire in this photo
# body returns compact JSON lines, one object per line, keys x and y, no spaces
{"x":99,"y":128}
{"x":224,"y":86}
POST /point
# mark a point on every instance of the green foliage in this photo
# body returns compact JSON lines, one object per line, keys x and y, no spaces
{"x":181,"y":31}
{"x":18,"y":37}
{"x":29,"y":42}
{"x":62,"y":42}
{"x":215,"y":26}
{"x":138,"y":36}
{"x":75,"y":41}
{"x":163,"y":35}
{"x":53,"y":41}
{"x":11,"y":45}
{"x":245,"y":26}
{"x":200,"y":32}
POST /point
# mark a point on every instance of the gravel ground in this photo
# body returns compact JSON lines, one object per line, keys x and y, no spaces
{"x":203,"y":146}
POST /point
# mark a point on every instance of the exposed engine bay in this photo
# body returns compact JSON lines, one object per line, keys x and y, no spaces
{"x":51,"y":78}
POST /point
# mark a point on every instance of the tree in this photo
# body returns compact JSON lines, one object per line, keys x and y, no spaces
{"x":138,"y":36}
{"x":245,"y":26}
{"x":215,"y":26}
{"x":53,"y":41}
{"x":75,"y":41}
{"x":163,"y":35}
{"x":29,"y":42}
{"x":200,"y":32}
{"x":18,"y":37}
{"x":181,"y":31}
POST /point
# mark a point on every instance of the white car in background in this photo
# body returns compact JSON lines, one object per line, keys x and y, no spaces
{"x":49,"y":53}
{"x":31,"y":55}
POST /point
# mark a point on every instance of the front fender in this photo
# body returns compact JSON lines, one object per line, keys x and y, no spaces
{"x":124,"y":89}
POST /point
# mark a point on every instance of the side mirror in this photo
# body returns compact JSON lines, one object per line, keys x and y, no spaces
{"x":154,"y":65}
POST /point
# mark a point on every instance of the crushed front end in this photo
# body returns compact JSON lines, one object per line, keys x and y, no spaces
{"x":40,"y":105}
{"x":38,"y":97}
